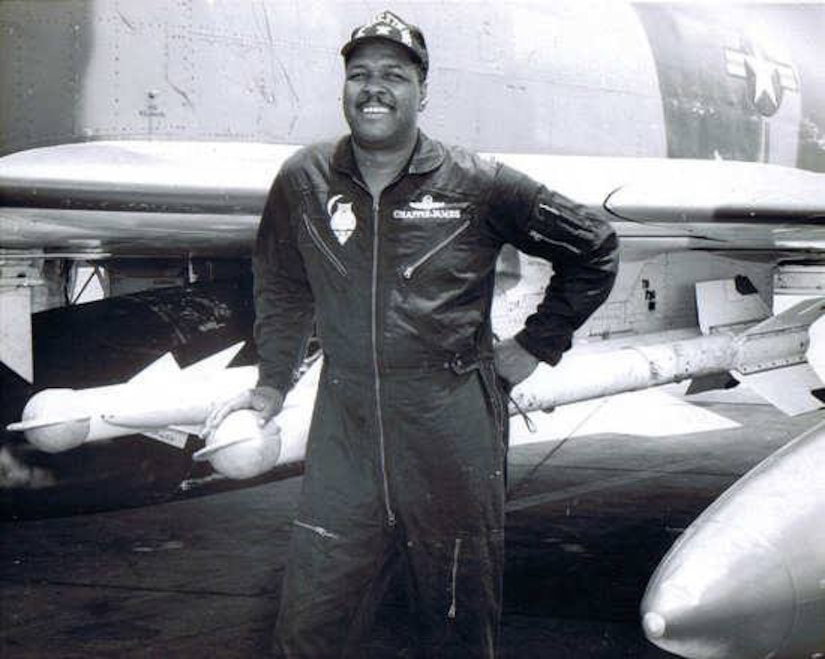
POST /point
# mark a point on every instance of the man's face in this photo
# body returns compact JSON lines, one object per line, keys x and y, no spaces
{"x":383,"y":94}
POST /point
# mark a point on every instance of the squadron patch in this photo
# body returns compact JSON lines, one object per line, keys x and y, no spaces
{"x":429,"y":209}
{"x":342,"y":219}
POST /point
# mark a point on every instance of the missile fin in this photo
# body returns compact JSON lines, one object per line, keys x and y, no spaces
{"x":171,"y":436}
{"x":789,"y":389}
{"x":214,"y":363}
{"x":802,"y":314}
{"x":189,"y":430}
{"x":34,"y":424}
{"x":711,"y":383}
{"x":163,"y":367}
{"x":205,"y":452}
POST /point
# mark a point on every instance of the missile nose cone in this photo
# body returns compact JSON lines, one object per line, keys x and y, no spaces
{"x":716,"y":596}
{"x":654,"y":625}
{"x":240,"y":448}
{"x":53,"y":420}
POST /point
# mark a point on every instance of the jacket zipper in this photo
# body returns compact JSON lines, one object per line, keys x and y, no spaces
{"x":453,"y":578}
{"x":324,"y":248}
{"x":539,"y":237}
{"x":320,"y":530}
{"x":410,"y":270}
{"x":378,"y":406}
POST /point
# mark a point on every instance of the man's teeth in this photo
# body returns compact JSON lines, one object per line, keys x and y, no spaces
{"x":373,"y":109}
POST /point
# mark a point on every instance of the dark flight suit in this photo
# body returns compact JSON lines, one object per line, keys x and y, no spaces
{"x":406,"y":454}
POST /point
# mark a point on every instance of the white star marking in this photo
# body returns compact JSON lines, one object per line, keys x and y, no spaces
{"x":383,"y":30}
{"x":763,"y":71}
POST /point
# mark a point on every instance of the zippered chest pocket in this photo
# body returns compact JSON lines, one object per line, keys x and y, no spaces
{"x":435,"y":236}
{"x":414,"y":264}
{"x":323,"y":245}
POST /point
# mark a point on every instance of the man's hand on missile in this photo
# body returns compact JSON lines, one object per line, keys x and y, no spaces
{"x":513,"y":363}
{"x":266,"y":401}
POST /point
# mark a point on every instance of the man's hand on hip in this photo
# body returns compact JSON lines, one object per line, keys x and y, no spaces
{"x":266,"y":401}
{"x":513,"y":362}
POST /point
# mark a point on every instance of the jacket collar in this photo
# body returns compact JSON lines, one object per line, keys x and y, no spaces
{"x":427,"y":156}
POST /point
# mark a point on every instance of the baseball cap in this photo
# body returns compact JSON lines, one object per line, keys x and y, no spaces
{"x":391,"y":27}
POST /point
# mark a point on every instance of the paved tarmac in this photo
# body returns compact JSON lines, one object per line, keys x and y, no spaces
{"x":590,"y":517}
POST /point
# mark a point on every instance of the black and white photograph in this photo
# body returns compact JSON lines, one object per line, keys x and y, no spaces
{"x":431,"y":329}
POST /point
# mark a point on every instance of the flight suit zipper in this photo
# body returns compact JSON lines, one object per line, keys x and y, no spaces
{"x":323,"y":247}
{"x":378,"y":407}
{"x":451,"y":613}
{"x":324,"y":533}
{"x":410,"y":270}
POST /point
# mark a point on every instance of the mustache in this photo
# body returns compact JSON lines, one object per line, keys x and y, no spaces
{"x":367,"y":98}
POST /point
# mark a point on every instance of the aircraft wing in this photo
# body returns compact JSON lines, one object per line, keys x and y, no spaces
{"x":138,"y":198}
{"x":106,"y":199}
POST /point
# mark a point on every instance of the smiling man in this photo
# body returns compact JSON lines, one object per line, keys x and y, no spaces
{"x":383,"y":117}
{"x":386,"y":242}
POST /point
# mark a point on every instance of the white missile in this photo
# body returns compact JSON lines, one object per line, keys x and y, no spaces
{"x":168,"y":403}
{"x":747,"y":578}
{"x":769,"y":356}
{"x":162,"y":401}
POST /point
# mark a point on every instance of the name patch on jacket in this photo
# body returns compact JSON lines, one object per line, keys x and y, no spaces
{"x":429,"y":209}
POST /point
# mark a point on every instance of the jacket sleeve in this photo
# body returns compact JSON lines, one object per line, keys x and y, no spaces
{"x":582,"y":247}
{"x":284,"y":306}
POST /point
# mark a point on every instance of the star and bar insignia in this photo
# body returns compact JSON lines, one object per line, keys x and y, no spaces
{"x":767,"y":78}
